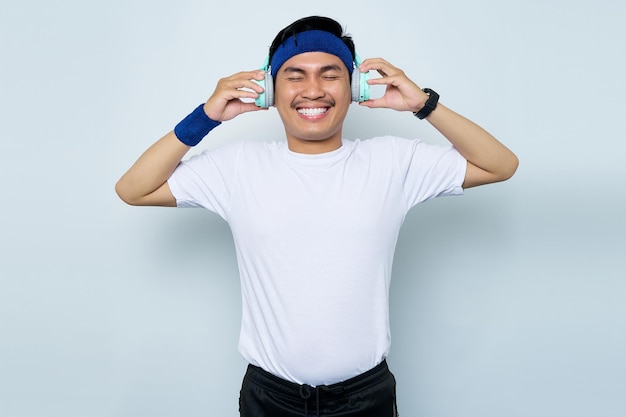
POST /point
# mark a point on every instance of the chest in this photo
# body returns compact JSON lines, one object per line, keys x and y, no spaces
{"x":320,"y":203}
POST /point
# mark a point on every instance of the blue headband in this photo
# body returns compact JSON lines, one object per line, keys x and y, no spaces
{"x":311,"y":41}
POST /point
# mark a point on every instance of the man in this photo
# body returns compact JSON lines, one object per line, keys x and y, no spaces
{"x":315,"y":218}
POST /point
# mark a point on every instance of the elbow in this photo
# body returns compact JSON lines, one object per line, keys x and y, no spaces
{"x":510,"y":167}
{"x":503,"y":168}
{"x":133,"y":196}
{"x":513,"y":165}
{"x":122,"y":192}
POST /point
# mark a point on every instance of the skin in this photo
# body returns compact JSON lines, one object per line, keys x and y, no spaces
{"x":317,"y":80}
{"x":313,"y":80}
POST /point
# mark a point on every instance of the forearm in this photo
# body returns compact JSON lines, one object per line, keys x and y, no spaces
{"x":151,"y":171}
{"x":476,"y":145}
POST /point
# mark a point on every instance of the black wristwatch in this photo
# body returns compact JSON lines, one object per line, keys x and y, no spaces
{"x":431,"y":104}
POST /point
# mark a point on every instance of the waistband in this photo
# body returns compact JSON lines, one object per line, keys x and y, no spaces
{"x":319,"y":393}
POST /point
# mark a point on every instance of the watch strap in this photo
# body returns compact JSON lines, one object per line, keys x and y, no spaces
{"x":429,"y":106}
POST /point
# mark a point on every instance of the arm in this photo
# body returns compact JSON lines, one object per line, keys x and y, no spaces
{"x":488,"y":160}
{"x":145,"y":183}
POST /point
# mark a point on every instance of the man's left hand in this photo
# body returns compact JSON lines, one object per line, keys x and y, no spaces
{"x":401,"y":93}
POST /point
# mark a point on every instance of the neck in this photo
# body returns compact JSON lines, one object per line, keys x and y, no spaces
{"x":312,"y":147}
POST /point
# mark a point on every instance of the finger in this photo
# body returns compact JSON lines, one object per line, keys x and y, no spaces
{"x":245,"y":79}
{"x":369,"y":62}
{"x":248,"y":107}
{"x":374,"y":103}
{"x":385,"y":80}
{"x":248,"y":75}
{"x":383,"y":67}
{"x":240,"y":93}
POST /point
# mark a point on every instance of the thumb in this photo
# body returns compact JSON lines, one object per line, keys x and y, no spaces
{"x":374,"y":103}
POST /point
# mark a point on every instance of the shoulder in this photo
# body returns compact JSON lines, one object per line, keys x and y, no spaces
{"x":236,"y":150}
{"x":401,"y":145}
{"x":406,"y":152}
{"x":381,"y":142}
{"x":385,"y":145}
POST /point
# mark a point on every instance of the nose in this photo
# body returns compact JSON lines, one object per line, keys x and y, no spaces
{"x":312,"y":88}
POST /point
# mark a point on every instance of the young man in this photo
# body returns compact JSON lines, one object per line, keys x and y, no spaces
{"x":315,"y":218}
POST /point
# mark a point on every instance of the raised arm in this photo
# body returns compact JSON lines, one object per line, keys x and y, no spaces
{"x":145,"y":183}
{"x":488,"y":160}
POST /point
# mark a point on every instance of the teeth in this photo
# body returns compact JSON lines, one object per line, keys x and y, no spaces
{"x":312,"y":111}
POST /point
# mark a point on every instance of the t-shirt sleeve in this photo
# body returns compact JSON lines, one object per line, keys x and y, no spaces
{"x":431,"y":171}
{"x":205,"y":179}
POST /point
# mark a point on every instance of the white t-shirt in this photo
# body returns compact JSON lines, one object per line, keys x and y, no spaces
{"x":315,"y":237}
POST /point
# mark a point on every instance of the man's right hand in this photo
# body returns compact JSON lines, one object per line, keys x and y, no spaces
{"x":227,"y":102}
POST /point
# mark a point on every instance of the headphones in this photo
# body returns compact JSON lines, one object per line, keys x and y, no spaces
{"x":359,"y":86}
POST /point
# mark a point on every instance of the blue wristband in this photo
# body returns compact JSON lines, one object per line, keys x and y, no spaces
{"x":193,"y":128}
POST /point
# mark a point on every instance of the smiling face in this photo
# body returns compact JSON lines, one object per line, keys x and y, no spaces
{"x":312,"y":95}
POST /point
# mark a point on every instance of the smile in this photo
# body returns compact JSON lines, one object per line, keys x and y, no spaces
{"x":312,"y":111}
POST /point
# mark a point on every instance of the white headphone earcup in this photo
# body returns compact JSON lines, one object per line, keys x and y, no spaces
{"x":355,"y":85}
{"x":269,"y":90}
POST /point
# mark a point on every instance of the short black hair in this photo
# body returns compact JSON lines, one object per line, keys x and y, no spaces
{"x":312,"y":23}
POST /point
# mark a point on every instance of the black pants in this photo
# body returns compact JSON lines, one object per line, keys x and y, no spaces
{"x":372,"y":394}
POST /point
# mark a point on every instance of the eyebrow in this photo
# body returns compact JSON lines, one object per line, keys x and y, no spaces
{"x":326,"y":68}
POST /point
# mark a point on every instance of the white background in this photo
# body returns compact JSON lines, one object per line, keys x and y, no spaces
{"x":508,"y":301}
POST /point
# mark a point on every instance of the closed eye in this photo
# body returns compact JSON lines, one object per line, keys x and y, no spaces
{"x":326,"y":73}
